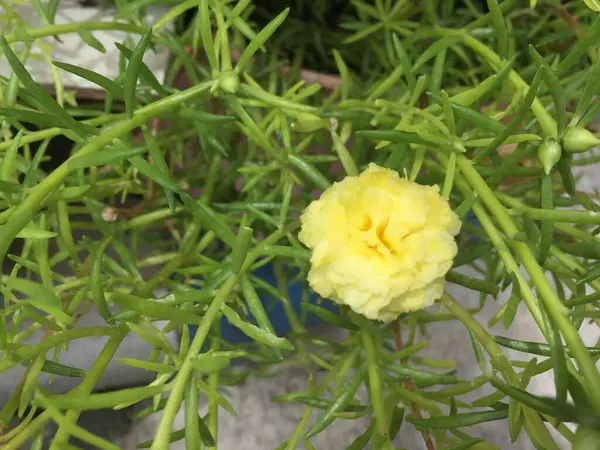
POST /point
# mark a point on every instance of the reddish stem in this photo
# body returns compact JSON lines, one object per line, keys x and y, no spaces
{"x":411,"y":387}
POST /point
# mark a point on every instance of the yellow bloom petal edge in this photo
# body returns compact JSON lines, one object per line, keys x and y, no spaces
{"x":381,"y":244}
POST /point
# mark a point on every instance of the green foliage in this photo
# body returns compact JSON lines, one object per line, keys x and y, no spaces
{"x":437,"y":90}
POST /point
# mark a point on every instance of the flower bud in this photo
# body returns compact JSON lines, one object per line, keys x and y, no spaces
{"x":578,"y":140}
{"x":458,"y":146}
{"x":593,"y":5}
{"x":549,"y":153}
{"x":307,"y":123}
{"x":229,"y":81}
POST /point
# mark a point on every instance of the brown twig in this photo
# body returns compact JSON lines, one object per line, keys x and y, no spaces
{"x":325,"y":80}
{"x":411,"y":387}
{"x":571,"y":20}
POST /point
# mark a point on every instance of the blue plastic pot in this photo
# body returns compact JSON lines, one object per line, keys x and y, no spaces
{"x":473,"y":221}
{"x":275,"y":310}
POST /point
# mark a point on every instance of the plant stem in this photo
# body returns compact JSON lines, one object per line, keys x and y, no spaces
{"x":189,"y":241}
{"x":19,"y":440}
{"x":65,"y":28}
{"x":161,"y":440}
{"x":554,"y":215}
{"x":213,"y":384}
{"x":6,"y":437}
{"x":411,"y":387}
{"x":483,"y":337}
{"x":533,"y":422}
{"x":88,"y":384}
{"x":547,"y":123}
{"x":49,"y":133}
{"x":27,"y":210}
{"x":511,"y":264}
{"x":375,"y":391}
{"x":501,"y":247}
{"x":298,"y":432}
{"x":565,"y":259}
{"x":551,"y":301}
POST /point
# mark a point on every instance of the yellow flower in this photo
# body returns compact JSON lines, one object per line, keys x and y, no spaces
{"x":380,"y":244}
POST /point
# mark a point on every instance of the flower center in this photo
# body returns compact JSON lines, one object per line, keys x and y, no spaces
{"x":375,"y":235}
{"x":366,"y":225}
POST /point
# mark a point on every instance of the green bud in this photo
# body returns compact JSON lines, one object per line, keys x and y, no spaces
{"x":586,"y":439}
{"x":594,"y":5}
{"x":229,"y":81}
{"x":458,"y":146}
{"x":307,"y":123}
{"x":548,"y":154}
{"x":578,"y":140}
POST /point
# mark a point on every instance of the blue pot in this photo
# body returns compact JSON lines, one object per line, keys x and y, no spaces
{"x":274,"y":308}
{"x":473,"y":221}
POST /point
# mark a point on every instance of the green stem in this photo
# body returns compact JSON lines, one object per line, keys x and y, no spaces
{"x":533,"y":423}
{"x":27,"y":210}
{"x":573,"y":265}
{"x":556,"y":215}
{"x":282,"y":287}
{"x":488,"y":343}
{"x":547,"y":123}
{"x":572,"y":231}
{"x":504,"y":253}
{"x":290,"y":313}
{"x":375,"y":390}
{"x":213,"y":384}
{"x":561,"y":428}
{"x":15,"y":431}
{"x":6,"y":214}
{"x":511,"y":264}
{"x":18,"y":441}
{"x":555,"y":308}
{"x":49,"y":133}
{"x":299,"y":431}
{"x":88,"y":384}
{"x":161,"y":440}
{"x":188,"y":246}
{"x":65,"y":28}
{"x":565,"y":259}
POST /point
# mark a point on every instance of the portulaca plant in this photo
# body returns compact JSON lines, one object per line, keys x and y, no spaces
{"x":380,"y":155}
